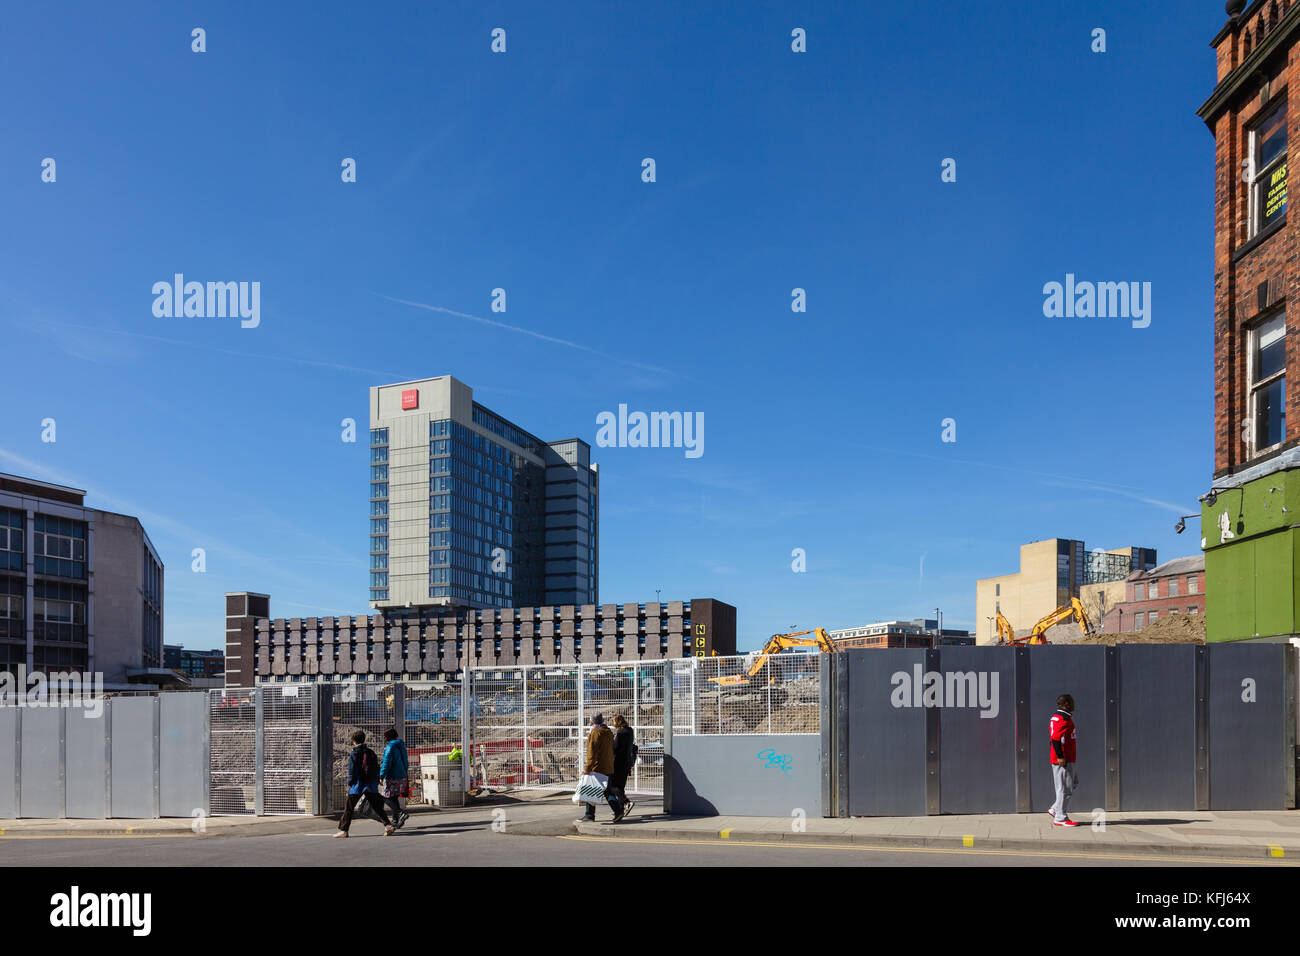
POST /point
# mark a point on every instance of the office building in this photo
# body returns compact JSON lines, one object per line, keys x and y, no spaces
{"x":469,"y":510}
{"x":1052,"y":572}
{"x":80,"y":589}
{"x":1249,"y":530}
{"x":260,"y":649}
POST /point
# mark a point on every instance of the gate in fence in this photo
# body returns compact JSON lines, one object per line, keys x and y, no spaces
{"x":261,"y":750}
{"x":529,"y":724}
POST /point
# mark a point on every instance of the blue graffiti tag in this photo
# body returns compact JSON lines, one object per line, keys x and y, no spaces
{"x":782,"y":762}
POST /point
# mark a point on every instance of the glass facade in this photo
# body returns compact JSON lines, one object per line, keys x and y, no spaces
{"x":378,"y":514}
{"x":12,"y":540}
{"x":60,"y":547}
{"x":477,"y":491}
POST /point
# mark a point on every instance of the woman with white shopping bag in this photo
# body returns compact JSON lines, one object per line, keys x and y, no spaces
{"x":596,"y":770}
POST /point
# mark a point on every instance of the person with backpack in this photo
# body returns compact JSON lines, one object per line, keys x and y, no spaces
{"x":393,"y":772}
{"x":625,"y":751}
{"x":1064,"y":778}
{"x":363,"y":782}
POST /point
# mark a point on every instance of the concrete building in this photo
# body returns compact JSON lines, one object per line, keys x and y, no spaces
{"x":1250,"y":534}
{"x":469,"y":510}
{"x":1051,"y":573}
{"x":80,"y":589}
{"x":378,"y":647}
{"x":1175,"y":587}
{"x":919,"y":632}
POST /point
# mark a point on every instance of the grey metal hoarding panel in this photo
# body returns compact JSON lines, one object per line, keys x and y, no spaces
{"x":1080,"y":672}
{"x":886,"y":744}
{"x":756,"y":775}
{"x":1246,"y":735}
{"x":1157,"y":727}
{"x":8,"y":763}
{"x":85,"y":764}
{"x":977,"y":737}
{"x":132,"y":730}
{"x":39,"y":778}
{"x":182,"y":759}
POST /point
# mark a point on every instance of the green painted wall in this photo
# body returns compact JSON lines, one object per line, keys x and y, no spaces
{"x":1252,"y":588}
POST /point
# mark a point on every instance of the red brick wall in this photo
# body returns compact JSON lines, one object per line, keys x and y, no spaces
{"x":1273,"y":262}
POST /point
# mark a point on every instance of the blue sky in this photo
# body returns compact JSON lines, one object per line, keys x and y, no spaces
{"x":522,"y":170}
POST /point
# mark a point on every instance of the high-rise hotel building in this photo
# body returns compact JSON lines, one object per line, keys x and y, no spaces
{"x":469,"y":510}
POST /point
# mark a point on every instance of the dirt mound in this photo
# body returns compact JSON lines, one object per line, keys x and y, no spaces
{"x":1171,"y":629}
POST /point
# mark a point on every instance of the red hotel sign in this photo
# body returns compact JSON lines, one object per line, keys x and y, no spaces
{"x":411,"y":398}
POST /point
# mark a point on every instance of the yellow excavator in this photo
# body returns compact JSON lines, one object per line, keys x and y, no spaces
{"x":1007,"y":635}
{"x":775,"y":645}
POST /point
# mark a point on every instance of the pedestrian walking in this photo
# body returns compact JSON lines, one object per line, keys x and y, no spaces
{"x":394,"y":770}
{"x":363,"y":781}
{"x":1064,"y":778}
{"x":600,"y":764}
{"x":624,"y":759}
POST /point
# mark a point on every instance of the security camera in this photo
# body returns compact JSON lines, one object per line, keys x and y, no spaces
{"x":1180,"y":527}
{"x":1211,"y":498}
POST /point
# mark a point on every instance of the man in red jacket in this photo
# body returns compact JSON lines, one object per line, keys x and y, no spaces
{"x":1064,"y":778}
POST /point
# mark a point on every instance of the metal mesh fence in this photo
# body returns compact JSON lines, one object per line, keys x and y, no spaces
{"x":525,"y":727}
{"x":431,"y":715}
{"x":232,"y":762}
{"x":357,"y":705}
{"x":780,"y":694}
{"x":286,"y":750}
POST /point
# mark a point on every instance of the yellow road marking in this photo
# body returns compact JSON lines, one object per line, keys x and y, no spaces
{"x":784,"y":844}
{"x":725,"y":834}
{"x":1273,"y":850}
{"x":968,"y":840}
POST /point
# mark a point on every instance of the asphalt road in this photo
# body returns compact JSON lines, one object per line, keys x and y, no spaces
{"x":472,"y":842}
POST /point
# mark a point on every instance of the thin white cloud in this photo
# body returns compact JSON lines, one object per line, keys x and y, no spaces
{"x":1063,"y":481}
{"x":529,"y":332}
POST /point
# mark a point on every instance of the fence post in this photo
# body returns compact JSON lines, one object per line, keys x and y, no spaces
{"x":668,"y":738}
{"x":399,"y":709}
{"x":1202,"y":728}
{"x":1289,"y":731}
{"x":466,"y":707}
{"x":1023,"y":677}
{"x":524,"y":696}
{"x":157,"y":756}
{"x":933,"y":796}
{"x":207,"y":751}
{"x":258,"y":751}
{"x":1112,"y":728}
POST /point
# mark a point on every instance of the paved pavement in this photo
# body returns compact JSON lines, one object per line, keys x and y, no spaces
{"x":1240,"y":835}
{"x":496,"y":831}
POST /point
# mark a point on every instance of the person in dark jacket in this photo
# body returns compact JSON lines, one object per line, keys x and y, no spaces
{"x":393,"y":773}
{"x":362,"y":784}
{"x":600,"y":761}
{"x":624,"y":739}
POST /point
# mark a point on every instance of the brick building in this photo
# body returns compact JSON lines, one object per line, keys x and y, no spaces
{"x":919,"y":632}
{"x":434,"y":645}
{"x":1175,"y":587}
{"x":1250,"y":538}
